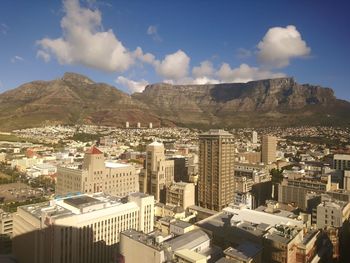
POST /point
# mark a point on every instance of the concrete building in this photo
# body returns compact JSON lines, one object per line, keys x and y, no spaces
{"x":332,"y":213}
{"x":150,"y":125}
{"x":278,"y":236}
{"x":138,"y":125}
{"x":159,"y":172}
{"x":216,"y":169}
{"x":181,"y":194}
{"x":268,"y":149}
{"x":295,"y":190}
{"x":244,"y":253}
{"x":83,"y":228}
{"x":6,"y":223}
{"x":98,"y":175}
{"x":193,"y":246}
{"x":341,"y":162}
{"x":127,"y":124}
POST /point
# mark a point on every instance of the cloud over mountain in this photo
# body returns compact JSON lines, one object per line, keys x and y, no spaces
{"x":280,"y":45}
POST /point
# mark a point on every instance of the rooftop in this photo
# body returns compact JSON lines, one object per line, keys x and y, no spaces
{"x":216,"y":132}
{"x":83,"y":206}
{"x":94,"y":150}
{"x":114,"y":165}
{"x":258,"y":217}
{"x":244,"y":251}
{"x":81,"y":201}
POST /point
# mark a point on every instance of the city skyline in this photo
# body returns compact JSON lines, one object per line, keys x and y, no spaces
{"x":138,"y":43}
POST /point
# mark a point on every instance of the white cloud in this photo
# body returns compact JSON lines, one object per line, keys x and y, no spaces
{"x":174,"y":66}
{"x":133,"y":86}
{"x":16,"y":59}
{"x":84,"y":42}
{"x":204,"y":70}
{"x":279,"y":45}
{"x":244,"y":73}
{"x":144,"y":57}
{"x":152,"y":31}
{"x":43,"y":55}
{"x":205,"y":80}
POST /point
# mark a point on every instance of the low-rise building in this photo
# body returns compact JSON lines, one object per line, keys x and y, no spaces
{"x":181,"y":194}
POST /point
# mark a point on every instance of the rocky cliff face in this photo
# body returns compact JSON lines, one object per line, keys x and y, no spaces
{"x":76,"y":99}
{"x":280,"y":101}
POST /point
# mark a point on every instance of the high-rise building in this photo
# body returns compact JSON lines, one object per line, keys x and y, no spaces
{"x":98,"y":175}
{"x":159,"y":172}
{"x":216,"y":169}
{"x":78,"y":229}
{"x":150,"y":125}
{"x":254,"y":137}
{"x":138,"y":125}
{"x":127,"y":124}
{"x":268,"y":149}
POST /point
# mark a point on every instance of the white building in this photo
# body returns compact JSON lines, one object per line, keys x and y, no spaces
{"x":83,"y":228}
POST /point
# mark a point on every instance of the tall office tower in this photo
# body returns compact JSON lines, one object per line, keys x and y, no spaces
{"x":268,"y":149}
{"x":159,"y":172}
{"x":138,"y":125}
{"x":216,"y":169}
{"x":127,"y":124}
{"x":254,"y":137}
{"x":98,"y":175}
{"x":150,"y":125}
{"x":78,"y":229}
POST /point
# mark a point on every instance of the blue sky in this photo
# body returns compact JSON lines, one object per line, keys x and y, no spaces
{"x":131,"y":43}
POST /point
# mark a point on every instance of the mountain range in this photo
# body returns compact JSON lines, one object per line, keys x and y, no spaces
{"x":76,"y":99}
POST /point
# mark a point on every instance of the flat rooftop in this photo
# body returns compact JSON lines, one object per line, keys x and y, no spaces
{"x":245,"y":251}
{"x":82,"y":205}
{"x":258,"y":217}
{"x":81,"y":201}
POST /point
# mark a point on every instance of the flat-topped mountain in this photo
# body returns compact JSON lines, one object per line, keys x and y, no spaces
{"x":76,"y":99}
{"x":280,"y":102}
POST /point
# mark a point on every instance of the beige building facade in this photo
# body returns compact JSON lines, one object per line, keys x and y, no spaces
{"x":268,"y":149}
{"x":98,"y":175}
{"x":181,"y":194}
{"x":159,"y":172}
{"x":216,"y":169}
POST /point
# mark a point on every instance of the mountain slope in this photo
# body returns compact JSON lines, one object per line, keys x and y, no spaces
{"x":69,"y":100}
{"x":279,"y":102}
{"x":75,"y":99}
